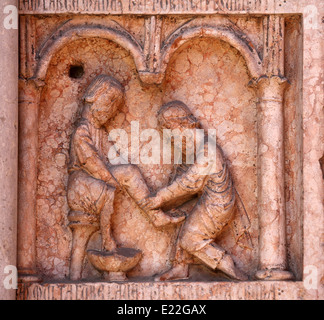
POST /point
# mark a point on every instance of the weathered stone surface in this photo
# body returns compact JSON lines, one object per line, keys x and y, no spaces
{"x":149,"y":7}
{"x":167,"y":291}
{"x":160,"y":7}
{"x":9,"y":148}
{"x":251,"y":70}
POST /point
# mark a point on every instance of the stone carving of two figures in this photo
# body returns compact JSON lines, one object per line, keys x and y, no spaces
{"x":92,"y":185}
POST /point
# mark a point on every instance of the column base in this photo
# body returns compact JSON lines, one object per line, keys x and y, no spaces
{"x":115,"y":276}
{"x":274,"y":275}
{"x":25,"y":277}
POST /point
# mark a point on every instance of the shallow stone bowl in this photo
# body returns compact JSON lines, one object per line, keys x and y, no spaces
{"x":119,"y":260}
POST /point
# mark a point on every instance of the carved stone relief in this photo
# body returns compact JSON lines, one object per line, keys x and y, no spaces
{"x":100,"y":92}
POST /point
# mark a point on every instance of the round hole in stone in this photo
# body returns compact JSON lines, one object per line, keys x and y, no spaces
{"x":76,"y":71}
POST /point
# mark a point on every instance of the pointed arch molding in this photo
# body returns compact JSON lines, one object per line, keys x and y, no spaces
{"x":143,"y":54}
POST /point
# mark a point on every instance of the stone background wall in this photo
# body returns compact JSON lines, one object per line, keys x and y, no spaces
{"x":211,"y":77}
{"x":303,"y":111}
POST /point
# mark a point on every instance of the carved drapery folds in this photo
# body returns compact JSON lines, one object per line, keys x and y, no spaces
{"x":151,"y":57}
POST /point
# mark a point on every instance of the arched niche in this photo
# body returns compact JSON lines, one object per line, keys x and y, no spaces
{"x":71,"y":31}
{"x":231,"y":35}
{"x":68,"y":33}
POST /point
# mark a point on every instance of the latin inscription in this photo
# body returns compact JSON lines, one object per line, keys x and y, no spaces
{"x":143,"y":6}
{"x":155,"y":291}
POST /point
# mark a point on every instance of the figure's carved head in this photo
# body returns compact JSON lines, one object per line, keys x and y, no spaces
{"x":176,"y":115}
{"x":105,"y":95}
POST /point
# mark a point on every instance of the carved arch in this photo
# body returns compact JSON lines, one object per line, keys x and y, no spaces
{"x":72,"y":30}
{"x":229,"y":34}
{"x":66,"y":34}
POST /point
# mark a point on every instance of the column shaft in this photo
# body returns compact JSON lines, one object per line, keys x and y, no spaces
{"x":28,"y":152}
{"x":271,"y":170}
{"x":29,"y":93}
{"x":271,"y":199}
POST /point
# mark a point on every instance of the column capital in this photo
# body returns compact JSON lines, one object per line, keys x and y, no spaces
{"x":38,"y":83}
{"x":29,"y":90}
{"x":270,"y":87}
{"x":271,"y":80}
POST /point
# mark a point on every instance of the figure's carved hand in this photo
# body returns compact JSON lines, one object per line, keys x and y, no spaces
{"x":151,"y":203}
{"x":114,"y":183}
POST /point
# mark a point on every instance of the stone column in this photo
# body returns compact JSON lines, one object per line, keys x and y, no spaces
{"x":28,"y":151}
{"x":271,"y":200}
{"x":271,"y":182}
{"x":8,"y":143}
{"x":29,"y":95}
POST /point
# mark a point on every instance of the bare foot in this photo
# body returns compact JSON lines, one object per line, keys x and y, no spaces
{"x":227,"y":266}
{"x":178,"y":272}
